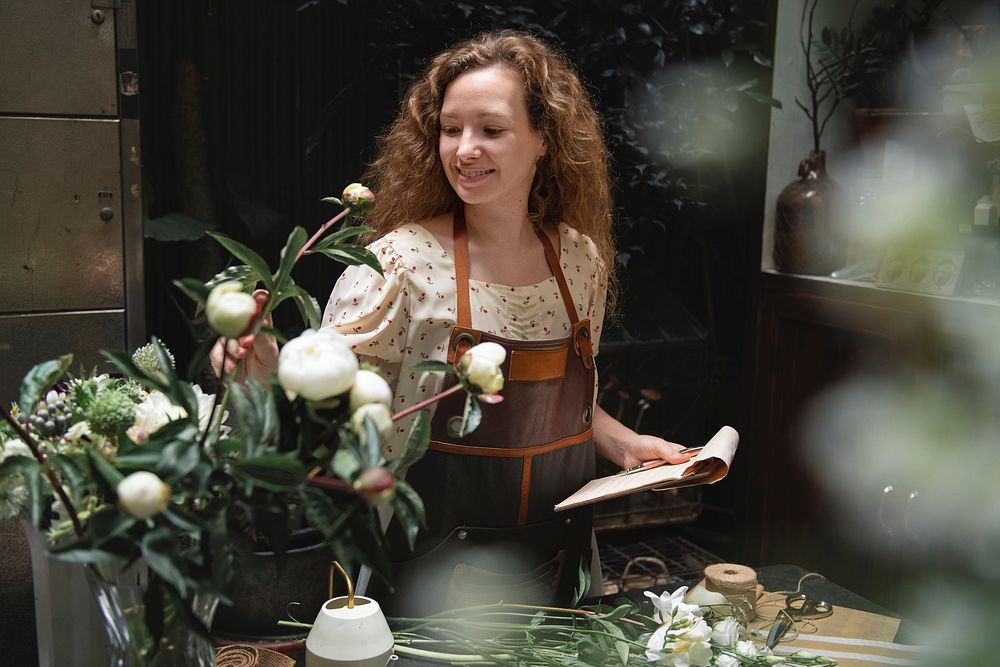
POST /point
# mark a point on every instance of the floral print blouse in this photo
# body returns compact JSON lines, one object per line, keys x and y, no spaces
{"x":407,"y":316}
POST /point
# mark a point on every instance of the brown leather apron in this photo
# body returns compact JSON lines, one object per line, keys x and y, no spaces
{"x":492,"y":534}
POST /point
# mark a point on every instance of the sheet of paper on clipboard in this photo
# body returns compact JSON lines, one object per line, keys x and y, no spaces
{"x":709,"y":466}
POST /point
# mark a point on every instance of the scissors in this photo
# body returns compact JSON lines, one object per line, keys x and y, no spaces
{"x":798,"y":606}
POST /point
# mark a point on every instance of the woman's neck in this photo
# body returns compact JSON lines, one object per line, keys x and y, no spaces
{"x":499,"y":228}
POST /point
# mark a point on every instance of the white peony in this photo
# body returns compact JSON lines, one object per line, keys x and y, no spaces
{"x":317,"y":365}
{"x":726,"y":660}
{"x":378,"y":413}
{"x":142,"y":495}
{"x":481,"y":366}
{"x":157,"y":410}
{"x":229,"y":309}
{"x":369,"y":387}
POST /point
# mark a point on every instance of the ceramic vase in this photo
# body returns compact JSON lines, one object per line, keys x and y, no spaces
{"x":808,"y":225}
{"x":350,"y":631}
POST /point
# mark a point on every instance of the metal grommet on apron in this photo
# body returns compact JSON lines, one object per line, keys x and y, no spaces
{"x":492,"y":533}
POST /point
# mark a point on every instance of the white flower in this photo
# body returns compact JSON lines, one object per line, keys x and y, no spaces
{"x":378,"y":413}
{"x":747,"y":649}
{"x":481,"y":366}
{"x":672,"y":606}
{"x":13,"y":497}
{"x":78,"y":430}
{"x":684,"y":646}
{"x":229,"y":309}
{"x":14,"y":447}
{"x":726,"y":660}
{"x":142,"y":495}
{"x":369,"y":387}
{"x":726,"y":632}
{"x":317,"y":365}
{"x":157,"y":410}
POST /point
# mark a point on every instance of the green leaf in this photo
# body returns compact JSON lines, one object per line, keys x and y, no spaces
{"x":81,"y":555}
{"x":431,"y":366}
{"x":175,"y":227}
{"x":591,"y":653}
{"x":194,"y":289}
{"x":352,"y":255}
{"x":40,"y":378}
{"x":289,"y":254}
{"x":106,"y":524}
{"x":160,"y":551}
{"x":176,"y":517}
{"x":371,"y":444}
{"x":407,"y":492}
{"x":618,"y":612}
{"x":341,"y":235}
{"x":471,"y":416}
{"x":345,"y":463}
{"x":105,"y":471}
{"x":621,"y":647}
{"x":416,"y":443}
{"x":407,"y":519}
{"x":70,"y":472}
{"x":308,"y":308}
{"x":178,"y":459}
{"x":323,"y":515}
{"x":248,"y":257}
{"x":275,"y":472}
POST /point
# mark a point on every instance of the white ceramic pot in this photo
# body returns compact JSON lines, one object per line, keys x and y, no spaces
{"x":345,"y":636}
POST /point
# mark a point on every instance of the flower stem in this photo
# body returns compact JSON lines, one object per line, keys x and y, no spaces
{"x":22,"y":433}
{"x":321,"y":231}
{"x":424,"y":403}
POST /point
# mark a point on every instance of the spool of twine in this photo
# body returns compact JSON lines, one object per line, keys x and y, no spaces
{"x":738,"y":583}
{"x":245,"y":655}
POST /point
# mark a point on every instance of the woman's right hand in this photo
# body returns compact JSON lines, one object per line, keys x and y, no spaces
{"x":259,"y":352}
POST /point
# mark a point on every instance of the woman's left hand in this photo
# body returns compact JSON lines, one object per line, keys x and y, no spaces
{"x":626,"y":448}
{"x":644,"y":448}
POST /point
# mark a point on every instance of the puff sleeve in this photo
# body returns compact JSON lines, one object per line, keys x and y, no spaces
{"x":370,"y":310}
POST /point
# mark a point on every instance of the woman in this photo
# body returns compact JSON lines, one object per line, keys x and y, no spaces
{"x":493,"y":223}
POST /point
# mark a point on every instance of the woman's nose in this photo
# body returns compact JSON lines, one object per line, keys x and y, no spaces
{"x":468,"y":145}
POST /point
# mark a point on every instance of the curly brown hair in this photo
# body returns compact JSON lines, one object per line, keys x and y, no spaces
{"x":571,"y":182}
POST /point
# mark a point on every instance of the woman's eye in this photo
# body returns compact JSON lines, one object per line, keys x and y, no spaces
{"x":492,"y":131}
{"x":449,"y":131}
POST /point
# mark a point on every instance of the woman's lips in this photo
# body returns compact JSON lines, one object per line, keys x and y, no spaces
{"x":470,"y":176}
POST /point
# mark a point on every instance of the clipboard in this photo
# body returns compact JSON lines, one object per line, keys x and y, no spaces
{"x":708,"y":467}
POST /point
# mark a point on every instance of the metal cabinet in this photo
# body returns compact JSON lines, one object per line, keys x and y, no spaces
{"x":70,"y":256}
{"x":70,"y":223}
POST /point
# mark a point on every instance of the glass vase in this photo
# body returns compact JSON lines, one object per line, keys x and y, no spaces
{"x":121,"y":594}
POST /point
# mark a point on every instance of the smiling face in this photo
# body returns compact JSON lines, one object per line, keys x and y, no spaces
{"x":487,"y":145}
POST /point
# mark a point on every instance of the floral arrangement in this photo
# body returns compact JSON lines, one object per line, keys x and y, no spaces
{"x":677,"y":634}
{"x":148,"y":467}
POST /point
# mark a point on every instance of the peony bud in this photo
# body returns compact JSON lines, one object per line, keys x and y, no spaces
{"x":142,"y":495}
{"x":229,"y":309}
{"x":375,"y":486}
{"x":369,"y":387}
{"x":317,"y":365}
{"x":359,"y":198}
{"x":481,"y":366}
{"x":378,"y":413}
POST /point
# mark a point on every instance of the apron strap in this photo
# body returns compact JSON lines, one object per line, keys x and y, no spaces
{"x":461,"y":250}
{"x":464,"y":336}
{"x":553,"y":260}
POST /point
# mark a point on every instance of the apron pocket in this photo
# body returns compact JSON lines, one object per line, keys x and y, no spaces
{"x":470,"y":585}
